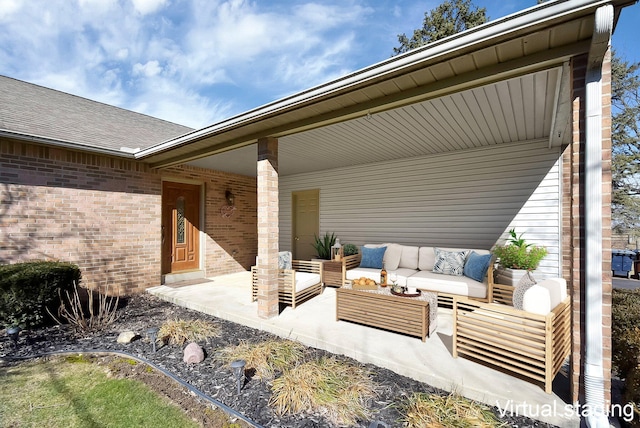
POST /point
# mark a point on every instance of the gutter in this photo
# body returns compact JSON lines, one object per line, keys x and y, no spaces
{"x":593,"y":362}
{"x":433,"y":52}
{"x":123,"y":152}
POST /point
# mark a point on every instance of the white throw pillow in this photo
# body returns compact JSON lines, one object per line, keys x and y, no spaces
{"x":450,"y":262}
{"x":557,"y":288}
{"x":521,"y":287}
{"x":409,"y":257}
{"x":536,"y":300}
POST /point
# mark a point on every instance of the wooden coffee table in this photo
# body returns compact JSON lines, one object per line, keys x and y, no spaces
{"x":414,"y":316}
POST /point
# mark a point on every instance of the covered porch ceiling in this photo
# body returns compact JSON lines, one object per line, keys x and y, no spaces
{"x":505,"y":81}
{"x":525,"y":108}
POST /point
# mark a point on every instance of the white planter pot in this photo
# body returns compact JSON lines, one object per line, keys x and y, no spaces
{"x":509,"y":276}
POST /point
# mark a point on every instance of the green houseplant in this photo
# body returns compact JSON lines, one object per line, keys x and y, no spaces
{"x":323,"y":245}
{"x":516,"y":258}
{"x":349,"y":249}
{"x":517,"y":254}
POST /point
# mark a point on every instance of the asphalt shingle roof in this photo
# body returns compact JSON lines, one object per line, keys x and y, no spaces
{"x":34,"y":110}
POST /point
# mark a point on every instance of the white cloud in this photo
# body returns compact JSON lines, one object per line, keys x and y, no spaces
{"x":8,"y":7}
{"x":190,"y":61}
{"x":145,"y":7}
{"x":150,"y":69}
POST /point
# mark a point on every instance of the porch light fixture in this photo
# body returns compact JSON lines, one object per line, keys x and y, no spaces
{"x":238,"y":371}
{"x":14,"y":332}
{"x":230,"y":197}
{"x":153,"y":335}
{"x":336,"y":251}
{"x":227,"y":210}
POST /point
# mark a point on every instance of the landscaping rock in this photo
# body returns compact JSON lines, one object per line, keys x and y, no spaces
{"x":193,"y":354}
{"x":127,"y":337}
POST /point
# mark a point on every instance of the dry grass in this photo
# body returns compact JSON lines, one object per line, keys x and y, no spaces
{"x":266,"y":358}
{"x":177,"y":332}
{"x":431,"y":410}
{"x":339,"y":389}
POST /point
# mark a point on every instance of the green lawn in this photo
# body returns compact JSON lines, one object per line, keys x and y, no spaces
{"x":76,"y":393}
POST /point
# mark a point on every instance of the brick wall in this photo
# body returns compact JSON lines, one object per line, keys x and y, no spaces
{"x":573,"y":223}
{"x":103,"y":213}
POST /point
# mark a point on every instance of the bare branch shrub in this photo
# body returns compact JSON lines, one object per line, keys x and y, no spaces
{"x":102,"y":311}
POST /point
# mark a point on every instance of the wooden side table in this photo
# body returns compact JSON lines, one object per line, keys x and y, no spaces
{"x":332,"y":272}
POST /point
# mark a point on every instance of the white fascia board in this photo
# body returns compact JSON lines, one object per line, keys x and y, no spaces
{"x":538,"y":14}
{"x":63,"y":144}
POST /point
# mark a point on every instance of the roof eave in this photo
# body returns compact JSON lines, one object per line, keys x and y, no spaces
{"x":457,"y":44}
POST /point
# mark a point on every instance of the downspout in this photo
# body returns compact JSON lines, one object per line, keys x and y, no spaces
{"x":593,"y":364}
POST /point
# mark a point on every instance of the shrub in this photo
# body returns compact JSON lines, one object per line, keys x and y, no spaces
{"x":453,"y":410}
{"x":625,"y":331}
{"x":84,"y":313}
{"x":265,"y":358}
{"x":338,"y":389}
{"x":625,"y":341}
{"x":28,"y":289}
{"x":177,"y":332}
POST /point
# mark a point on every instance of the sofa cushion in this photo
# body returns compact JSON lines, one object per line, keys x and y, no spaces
{"x":450,"y":262}
{"x":461,"y":285}
{"x":284,"y":260}
{"x":476,"y":266}
{"x":305,"y":280}
{"x":392,"y":256}
{"x":536,"y":300}
{"x":400,"y":275}
{"x":426,"y":258}
{"x":557,"y":288}
{"x":372,"y":257}
{"x":409,"y":257}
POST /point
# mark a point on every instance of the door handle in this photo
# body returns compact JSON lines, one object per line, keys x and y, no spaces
{"x":162,"y":234}
{"x":296,"y":238}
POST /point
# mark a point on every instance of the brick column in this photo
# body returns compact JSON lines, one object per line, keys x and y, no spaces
{"x":573,"y":225}
{"x":268,"y":230}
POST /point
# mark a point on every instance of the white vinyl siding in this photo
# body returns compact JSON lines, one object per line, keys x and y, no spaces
{"x":463,"y":199}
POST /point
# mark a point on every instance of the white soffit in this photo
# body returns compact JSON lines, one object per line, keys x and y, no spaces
{"x":517,"y":109}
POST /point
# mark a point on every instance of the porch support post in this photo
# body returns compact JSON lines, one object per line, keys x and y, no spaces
{"x":268,"y":230}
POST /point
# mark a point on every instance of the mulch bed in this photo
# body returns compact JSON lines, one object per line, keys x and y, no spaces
{"x":212,"y":377}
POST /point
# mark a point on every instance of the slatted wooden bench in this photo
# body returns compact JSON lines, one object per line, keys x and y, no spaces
{"x":526,"y":344}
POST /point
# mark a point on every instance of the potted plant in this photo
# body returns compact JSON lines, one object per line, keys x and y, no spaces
{"x":349,"y":250}
{"x":323,"y":245}
{"x":516,"y":258}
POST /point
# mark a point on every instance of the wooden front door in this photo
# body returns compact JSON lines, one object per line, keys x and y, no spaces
{"x":180,"y":223}
{"x":306,"y":222}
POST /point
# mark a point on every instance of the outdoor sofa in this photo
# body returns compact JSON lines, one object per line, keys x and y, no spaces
{"x":526,"y":333}
{"x":447,"y":271}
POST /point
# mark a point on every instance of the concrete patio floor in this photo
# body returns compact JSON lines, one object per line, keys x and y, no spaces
{"x":313,"y":323}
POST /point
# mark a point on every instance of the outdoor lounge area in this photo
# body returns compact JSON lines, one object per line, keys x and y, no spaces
{"x":314,"y":324}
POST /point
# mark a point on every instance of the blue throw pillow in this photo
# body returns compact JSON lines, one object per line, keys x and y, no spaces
{"x":476,"y":266}
{"x":372,"y":257}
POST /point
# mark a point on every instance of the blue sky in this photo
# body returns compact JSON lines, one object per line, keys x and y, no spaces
{"x":196,"y":62}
